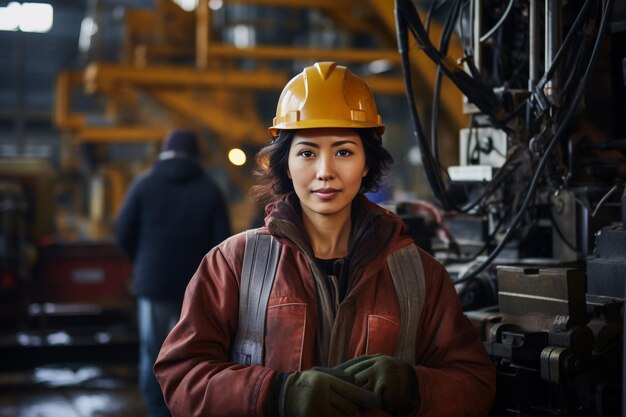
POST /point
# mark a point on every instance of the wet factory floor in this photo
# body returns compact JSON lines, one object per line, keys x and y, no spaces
{"x":72,"y":391}
{"x":69,"y":359}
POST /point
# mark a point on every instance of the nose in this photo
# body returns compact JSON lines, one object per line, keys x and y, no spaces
{"x":325,"y":168}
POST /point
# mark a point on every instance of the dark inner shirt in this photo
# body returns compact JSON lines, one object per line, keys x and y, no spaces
{"x":326,"y":265}
{"x":335,"y":280}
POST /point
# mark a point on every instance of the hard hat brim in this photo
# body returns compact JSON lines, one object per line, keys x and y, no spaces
{"x":324,"y":123}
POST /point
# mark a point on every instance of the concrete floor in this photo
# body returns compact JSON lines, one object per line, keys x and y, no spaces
{"x":72,"y":391}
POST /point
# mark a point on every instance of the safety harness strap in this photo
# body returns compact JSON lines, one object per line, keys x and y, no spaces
{"x":407,"y":273}
{"x":257,"y":277}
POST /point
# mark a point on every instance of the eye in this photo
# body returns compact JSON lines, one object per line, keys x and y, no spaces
{"x":343,"y":153}
{"x":306,"y":153}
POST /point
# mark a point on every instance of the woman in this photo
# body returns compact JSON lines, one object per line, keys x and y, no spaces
{"x":358,"y":319}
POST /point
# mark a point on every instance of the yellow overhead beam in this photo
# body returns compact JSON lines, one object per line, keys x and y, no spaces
{"x":66,"y":82}
{"x":305,"y":4}
{"x":145,"y":53}
{"x":120,"y":134}
{"x":105,"y":76}
{"x":291,"y":53}
{"x":220,"y":116}
{"x":203,"y":33}
{"x":385,"y":85}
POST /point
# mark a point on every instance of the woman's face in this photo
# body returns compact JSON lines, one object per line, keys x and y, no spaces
{"x":326,"y":167}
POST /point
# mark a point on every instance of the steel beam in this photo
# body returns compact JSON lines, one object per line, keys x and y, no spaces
{"x":120,"y":134}
{"x":292,"y":53}
{"x":104,"y":77}
{"x":66,"y":82}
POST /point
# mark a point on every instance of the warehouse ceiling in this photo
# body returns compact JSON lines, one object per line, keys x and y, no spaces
{"x":276,"y":36}
{"x":111,"y":77}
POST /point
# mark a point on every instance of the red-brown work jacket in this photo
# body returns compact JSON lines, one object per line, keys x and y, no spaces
{"x":454,"y":373}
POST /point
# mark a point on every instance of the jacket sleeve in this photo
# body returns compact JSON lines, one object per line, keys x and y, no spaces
{"x":128,"y":223}
{"x":193,"y":367}
{"x":455,"y":375}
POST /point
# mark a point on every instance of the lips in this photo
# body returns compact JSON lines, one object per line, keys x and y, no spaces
{"x":326,"y":193}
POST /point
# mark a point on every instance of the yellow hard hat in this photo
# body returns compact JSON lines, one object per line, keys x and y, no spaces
{"x":326,"y":95}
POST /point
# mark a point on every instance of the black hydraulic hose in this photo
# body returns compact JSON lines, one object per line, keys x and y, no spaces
{"x":429,"y":15}
{"x":488,"y":240}
{"x":575,"y":67}
{"x":433,"y":173}
{"x":500,"y":22}
{"x":474,"y":88}
{"x":500,"y":177}
{"x":434,"y":114}
{"x":555,"y":139}
{"x":444,"y":43}
{"x":431,"y":165}
{"x":521,"y":106}
{"x":568,"y":39}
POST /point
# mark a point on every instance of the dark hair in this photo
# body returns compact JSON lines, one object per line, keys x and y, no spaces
{"x":272,"y":161}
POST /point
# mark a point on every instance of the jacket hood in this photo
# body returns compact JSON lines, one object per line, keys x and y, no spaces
{"x":178,"y":169}
{"x":373,"y":227}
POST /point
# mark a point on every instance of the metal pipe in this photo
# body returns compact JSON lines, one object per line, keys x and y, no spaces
{"x":476,"y":19}
{"x":533,"y":45}
{"x":477,"y":30}
{"x":19,"y":85}
{"x":553,"y":40}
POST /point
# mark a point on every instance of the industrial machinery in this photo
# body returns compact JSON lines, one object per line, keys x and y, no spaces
{"x":529,"y":219}
{"x":537,"y":204}
{"x":60,"y":300}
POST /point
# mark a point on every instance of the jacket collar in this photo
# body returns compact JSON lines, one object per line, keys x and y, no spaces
{"x":373,"y":227}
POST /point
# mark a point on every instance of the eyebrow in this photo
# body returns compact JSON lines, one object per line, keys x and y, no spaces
{"x":334,"y":144}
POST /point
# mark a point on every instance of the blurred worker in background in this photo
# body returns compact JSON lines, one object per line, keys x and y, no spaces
{"x":349,"y":315}
{"x":171,"y":217}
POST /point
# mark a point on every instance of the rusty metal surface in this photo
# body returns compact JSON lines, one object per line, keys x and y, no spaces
{"x":542,"y":299}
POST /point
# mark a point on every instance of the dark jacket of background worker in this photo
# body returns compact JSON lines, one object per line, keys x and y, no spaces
{"x":171,"y":217}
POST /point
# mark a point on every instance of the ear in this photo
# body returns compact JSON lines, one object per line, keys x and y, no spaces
{"x":288,"y":173}
{"x":366,"y":171}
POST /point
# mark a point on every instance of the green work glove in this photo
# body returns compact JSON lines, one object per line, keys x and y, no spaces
{"x":323,"y":392}
{"x":391,"y":379}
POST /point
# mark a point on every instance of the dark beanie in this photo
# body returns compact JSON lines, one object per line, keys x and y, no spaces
{"x":179,"y":140}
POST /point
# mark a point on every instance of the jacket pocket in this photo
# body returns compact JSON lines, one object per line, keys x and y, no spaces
{"x":284,"y":337}
{"x":382,"y":334}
